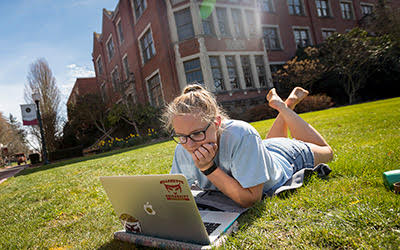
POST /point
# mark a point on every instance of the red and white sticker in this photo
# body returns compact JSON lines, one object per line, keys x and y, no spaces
{"x":174,"y":190}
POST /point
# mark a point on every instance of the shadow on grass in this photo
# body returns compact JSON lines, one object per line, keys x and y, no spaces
{"x":117,"y":244}
{"x":85,"y":158}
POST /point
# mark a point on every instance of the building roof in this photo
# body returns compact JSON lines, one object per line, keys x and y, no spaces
{"x":83,"y":86}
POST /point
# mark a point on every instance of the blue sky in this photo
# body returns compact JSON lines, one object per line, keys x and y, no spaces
{"x":61,"y":31}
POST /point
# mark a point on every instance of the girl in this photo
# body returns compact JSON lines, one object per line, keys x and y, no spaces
{"x":215,"y":152}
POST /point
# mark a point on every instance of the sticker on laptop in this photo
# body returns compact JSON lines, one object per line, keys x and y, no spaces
{"x":173,"y":188}
{"x":149,"y":209}
{"x":130,"y":223}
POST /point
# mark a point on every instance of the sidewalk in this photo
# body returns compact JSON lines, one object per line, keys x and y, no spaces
{"x":8,"y":172}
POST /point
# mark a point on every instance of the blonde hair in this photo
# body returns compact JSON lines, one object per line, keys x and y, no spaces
{"x":193,"y":100}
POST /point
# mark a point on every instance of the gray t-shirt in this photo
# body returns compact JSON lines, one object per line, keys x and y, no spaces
{"x":242,"y":155}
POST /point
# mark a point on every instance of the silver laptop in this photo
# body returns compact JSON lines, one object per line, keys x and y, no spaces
{"x":163,"y":206}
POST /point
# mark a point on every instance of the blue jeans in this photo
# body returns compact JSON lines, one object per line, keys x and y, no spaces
{"x":298,"y":153}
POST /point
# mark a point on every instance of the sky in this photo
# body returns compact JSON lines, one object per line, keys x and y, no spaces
{"x":60,"y":31}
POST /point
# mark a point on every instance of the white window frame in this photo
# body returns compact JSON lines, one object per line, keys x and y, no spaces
{"x":260,"y":5}
{"x":201,"y":69}
{"x":134,"y":9}
{"x":154,"y":73}
{"x":112,"y":77}
{"x":278,"y":34}
{"x":226,"y":22}
{"x":329,"y":10}
{"x":327,"y":30}
{"x":241,"y":24}
{"x":120,"y":35}
{"x":140,"y":44}
{"x":176,"y":25}
{"x":351,"y":9}
{"x":303,"y":9}
{"x":108,"y":49}
{"x":366,"y":4}
{"x":123,"y":65}
{"x":103,"y":91}
{"x":302,"y":28}
{"x":97,"y":65}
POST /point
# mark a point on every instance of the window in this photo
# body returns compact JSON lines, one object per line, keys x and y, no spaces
{"x":237,"y":22}
{"x":126,"y":67}
{"x":120,"y":32}
{"x":175,"y":2}
{"x":99,"y":66}
{"x":266,"y":5}
{"x":155,"y":92}
{"x":271,"y":38}
{"x":184,"y":25}
{"x":103,"y":92}
{"x":232,"y":72}
{"x":115,"y":78}
{"x":193,"y":71}
{"x":248,"y":77}
{"x":295,"y":7}
{"x":366,"y":9}
{"x":223,"y":22}
{"x":217,"y":73}
{"x":302,"y":37}
{"x":262,"y":74}
{"x":147,"y":44}
{"x":327,"y":33}
{"x":110,"y":48}
{"x":251,"y":23}
{"x":208,"y":25}
{"x":139,"y":6}
{"x":347,"y":13}
{"x":322,"y":8}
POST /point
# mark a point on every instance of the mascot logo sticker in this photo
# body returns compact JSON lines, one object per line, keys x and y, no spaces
{"x":174,"y":190}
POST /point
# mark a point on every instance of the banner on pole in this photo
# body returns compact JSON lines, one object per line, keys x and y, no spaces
{"x":29,"y":117}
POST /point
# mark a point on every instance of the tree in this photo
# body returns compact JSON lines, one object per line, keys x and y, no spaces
{"x":383,"y":21}
{"x":41,"y":80}
{"x":354,"y":57}
{"x":126,"y":109}
{"x":12,"y":135}
{"x":145,"y":116}
{"x":301,"y":72}
{"x":90,"y":110}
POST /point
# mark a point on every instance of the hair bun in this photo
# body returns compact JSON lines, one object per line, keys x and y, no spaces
{"x":192,"y":88}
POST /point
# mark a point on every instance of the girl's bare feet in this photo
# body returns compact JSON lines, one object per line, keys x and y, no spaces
{"x":274,"y":100}
{"x":296,"y":96}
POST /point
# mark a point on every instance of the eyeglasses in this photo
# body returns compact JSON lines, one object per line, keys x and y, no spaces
{"x":196,"y":136}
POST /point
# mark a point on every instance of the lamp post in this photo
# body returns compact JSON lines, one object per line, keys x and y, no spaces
{"x":36,"y":98}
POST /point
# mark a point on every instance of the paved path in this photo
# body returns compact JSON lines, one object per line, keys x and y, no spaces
{"x":6,"y":173}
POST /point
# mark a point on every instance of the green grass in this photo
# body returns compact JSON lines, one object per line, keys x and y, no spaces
{"x":64,"y":205}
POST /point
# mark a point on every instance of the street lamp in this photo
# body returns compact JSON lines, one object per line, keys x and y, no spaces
{"x":36,"y":98}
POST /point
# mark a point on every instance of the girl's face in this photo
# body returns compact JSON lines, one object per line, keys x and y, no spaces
{"x":189,"y":124}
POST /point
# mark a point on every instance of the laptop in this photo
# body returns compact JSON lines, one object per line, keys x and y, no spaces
{"x":163,"y":206}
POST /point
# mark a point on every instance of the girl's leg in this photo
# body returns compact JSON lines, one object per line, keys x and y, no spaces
{"x":301,"y":130}
{"x":279,"y":127}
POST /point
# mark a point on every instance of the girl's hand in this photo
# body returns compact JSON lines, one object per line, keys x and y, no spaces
{"x":204,"y":155}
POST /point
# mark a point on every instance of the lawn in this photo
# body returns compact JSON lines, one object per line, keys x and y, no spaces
{"x":63,"y":205}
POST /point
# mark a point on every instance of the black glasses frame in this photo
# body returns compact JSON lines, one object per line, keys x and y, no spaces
{"x":179,"y":141}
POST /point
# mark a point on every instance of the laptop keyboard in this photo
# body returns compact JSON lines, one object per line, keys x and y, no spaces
{"x":210,"y":227}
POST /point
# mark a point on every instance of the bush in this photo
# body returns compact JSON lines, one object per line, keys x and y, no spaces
{"x":35,"y":158}
{"x":313,"y":103}
{"x":310,"y":103}
{"x":260,"y":112}
{"x":66,"y":153}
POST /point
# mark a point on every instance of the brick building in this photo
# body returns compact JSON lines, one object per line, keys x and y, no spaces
{"x":83,"y":86}
{"x":151,"y":49}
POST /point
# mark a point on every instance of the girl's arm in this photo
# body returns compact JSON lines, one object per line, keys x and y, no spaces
{"x":245,"y":197}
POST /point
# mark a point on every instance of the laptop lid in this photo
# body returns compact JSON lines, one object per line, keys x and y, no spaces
{"x":156,"y":205}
